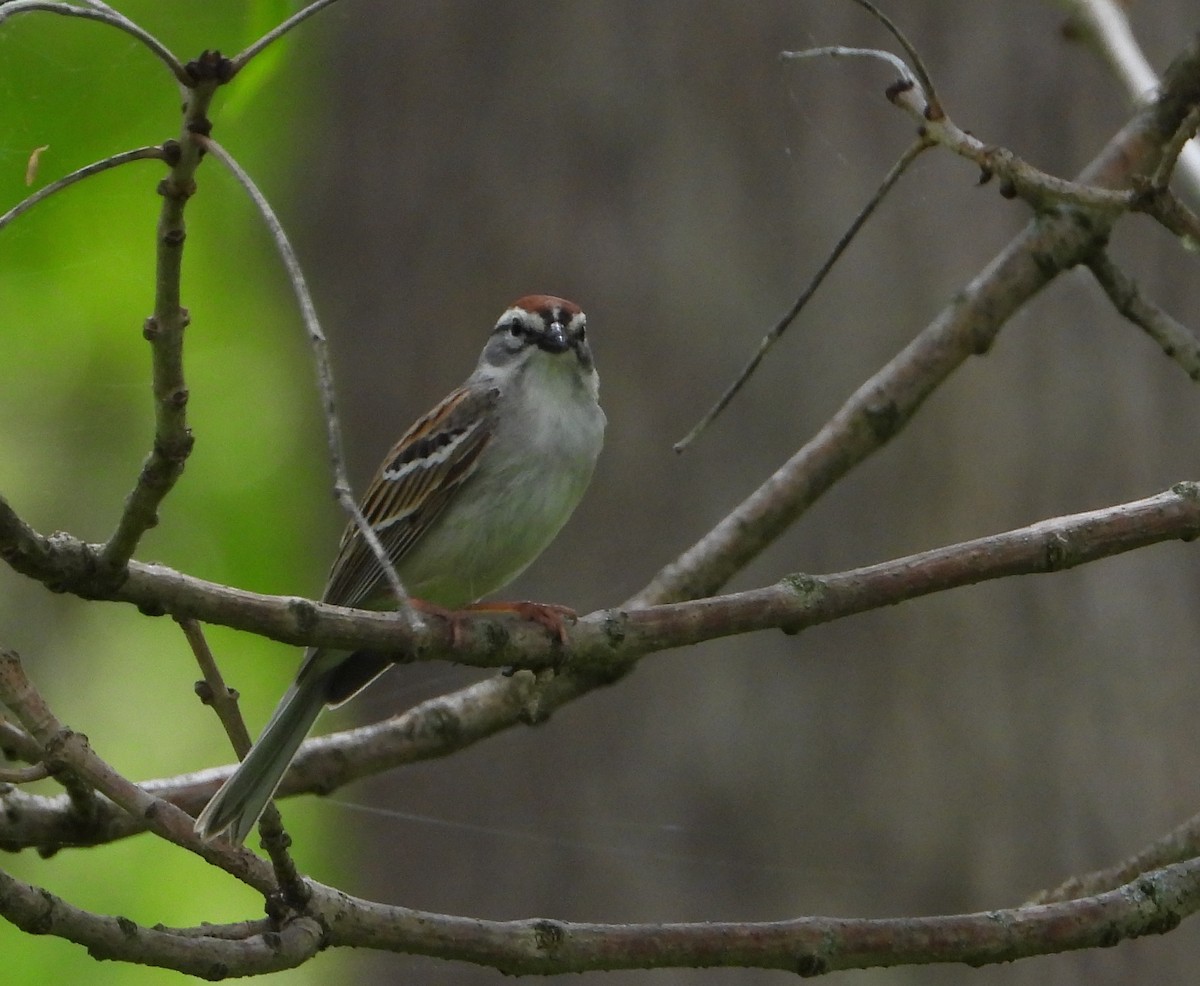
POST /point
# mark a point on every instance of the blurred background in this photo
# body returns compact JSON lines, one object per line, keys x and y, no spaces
{"x":660,"y":165}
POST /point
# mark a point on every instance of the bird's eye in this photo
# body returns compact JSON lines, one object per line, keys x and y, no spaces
{"x":516,"y":329}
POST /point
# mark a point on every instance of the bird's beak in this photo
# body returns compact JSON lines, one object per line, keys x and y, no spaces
{"x":554,"y":339}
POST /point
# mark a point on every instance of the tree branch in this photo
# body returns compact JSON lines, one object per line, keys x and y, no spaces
{"x":603,"y":646}
{"x":68,"y":751}
{"x":164,"y":330}
{"x":238,"y":62}
{"x":605,"y":642}
{"x":894,"y":174}
{"x":105,"y":15}
{"x":1179,"y":845}
{"x":201,"y":952}
{"x":879,"y":409}
{"x":320,"y":348}
{"x":1174,"y":338}
{"x":1155,"y":903}
{"x":156,"y":152}
{"x":1105,"y":24}
{"x":213,"y":692}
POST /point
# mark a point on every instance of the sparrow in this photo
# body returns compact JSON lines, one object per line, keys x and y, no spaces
{"x":471,"y":494}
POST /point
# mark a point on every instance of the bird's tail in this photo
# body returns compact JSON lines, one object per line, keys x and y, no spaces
{"x":236,"y":806}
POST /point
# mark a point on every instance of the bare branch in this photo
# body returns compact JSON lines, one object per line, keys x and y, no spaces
{"x":842,"y":51}
{"x":208,"y":953}
{"x":1174,"y":338}
{"x":604,"y":642}
{"x":155,"y":153}
{"x":1160,"y":204}
{"x":213,"y":691}
{"x":922,"y":74}
{"x":1179,"y":845}
{"x":968,"y":326}
{"x":16,"y":743}
{"x":1175,"y":148}
{"x":1105,"y":25}
{"x":105,"y":15}
{"x":782,"y":325}
{"x":1018,"y":178}
{"x":603,"y":645}
{"x":320,"y":348}
{"x":164,"y":331}
{"x":69,"y":751}
{"x":24,"y":775}
{"x":239,"y":61}
{"x":1153,"y":904}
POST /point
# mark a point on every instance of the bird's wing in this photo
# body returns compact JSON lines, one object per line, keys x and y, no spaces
{"x":419,"y":476}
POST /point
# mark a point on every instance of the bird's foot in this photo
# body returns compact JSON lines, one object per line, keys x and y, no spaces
{"x":548,"y":615}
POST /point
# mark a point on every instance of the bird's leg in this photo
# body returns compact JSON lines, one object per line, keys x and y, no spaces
{"x":551,"y":616}
{"x":548,"y":615}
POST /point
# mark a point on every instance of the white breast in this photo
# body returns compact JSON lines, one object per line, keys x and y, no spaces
{"x":530,"y":477}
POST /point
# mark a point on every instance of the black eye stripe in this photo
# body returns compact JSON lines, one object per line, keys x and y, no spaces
{"x":531,"y":326}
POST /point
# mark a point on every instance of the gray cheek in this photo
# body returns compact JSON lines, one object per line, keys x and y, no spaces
{"x":502,"y":350}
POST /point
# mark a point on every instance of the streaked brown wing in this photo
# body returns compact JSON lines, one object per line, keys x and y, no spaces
{"x":417,"y":479}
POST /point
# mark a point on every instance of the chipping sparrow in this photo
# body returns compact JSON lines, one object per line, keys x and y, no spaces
{"x":474,"y":491}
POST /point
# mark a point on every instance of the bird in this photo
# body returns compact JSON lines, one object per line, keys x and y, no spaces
{"x":468,"y":497}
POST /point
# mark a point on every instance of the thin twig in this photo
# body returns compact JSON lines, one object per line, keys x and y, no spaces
{"x":71,"y":750}
{"x":842,"y":51}
{"x":24,"y":775}
{"x":1018,"y":178}
{"x":1175,"y":148}
{"x":781,"y":326}
{"x":292,"y":893}
{"x":36,"y":910}
{"x":320,"y":348}
{"x":1169,"y":211}
{"x":1105,"y":24}
{"x":933,"y":103}
{"x":1175,"y":339}
{"x":968,"y":325}
{"x":215,"y":693}
{"x":105,"y":15}
{"x":1180,"y":844}
{"x":239,"y":61}
{"x":31,"y":710}
{"x":153,"y":153}
{"x":17,"y":744}
{"x":164,"y":331}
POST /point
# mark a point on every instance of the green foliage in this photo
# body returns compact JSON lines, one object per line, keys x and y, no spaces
{"x":76,"y":282}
